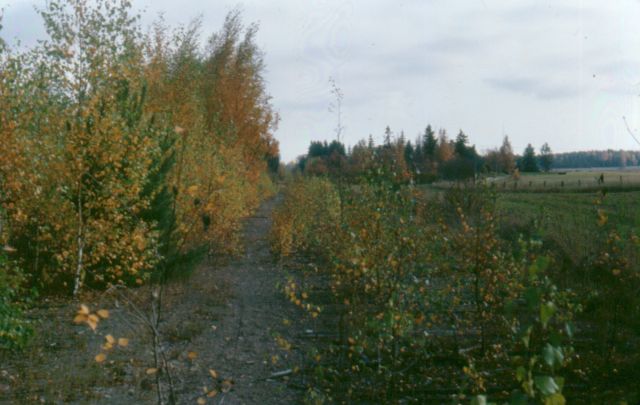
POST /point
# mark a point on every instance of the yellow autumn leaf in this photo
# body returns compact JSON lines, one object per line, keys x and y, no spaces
{"x":192,"y":355}
{"x":80,"y":318}
{"x":140,"y":242}
{"x":103,"y":313}
{"x":226,"y":386}
{"x":101,"y":357}
{"x":602,"y":218}
{"x":110,"y":339}
{"x":193,"y":190}
{"x":92,"y":321}
{"x":212,"y":393}
{"x":107,"y":346}
{"x":213,"y":373}
{"x":123,"y":342}
{"x":201,"y":401}
{"x":92,"y":324}
{"x":83,"y":309}
{"x":151,"y":371}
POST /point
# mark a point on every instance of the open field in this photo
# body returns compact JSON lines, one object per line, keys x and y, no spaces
{"x":620,"y":203}
{"x":581,"y":180}
{"x":621,"y":207}
{"x":568,"y":222}
{"x":570,"y":180}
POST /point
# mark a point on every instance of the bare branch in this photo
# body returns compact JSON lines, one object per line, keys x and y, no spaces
{"x":629,"y":130}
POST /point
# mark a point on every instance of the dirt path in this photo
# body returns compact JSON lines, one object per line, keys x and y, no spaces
{"x":225,"y":317}
{"x":240,"y":340}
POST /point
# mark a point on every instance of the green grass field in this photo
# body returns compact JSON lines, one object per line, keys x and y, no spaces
{"x":569,"y":220}
{"x":621,"y":207}
{"x":569,"y":180}
{"x":621,"y":202}
{"x":566,"y":215}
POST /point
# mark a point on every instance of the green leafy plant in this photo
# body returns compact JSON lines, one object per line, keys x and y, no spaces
{"x":15,"y":329}
{"x":542,"y":334}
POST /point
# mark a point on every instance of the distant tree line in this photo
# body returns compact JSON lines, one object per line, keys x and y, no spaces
{"x":596,"y":158}
{"x":431,"y":156}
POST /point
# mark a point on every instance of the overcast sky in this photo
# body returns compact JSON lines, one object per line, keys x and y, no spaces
{"x":563,"y":72}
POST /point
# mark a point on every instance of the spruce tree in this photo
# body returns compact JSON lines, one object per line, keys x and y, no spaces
{"x":161,"y":215}
{"x":430,"y":142}
{"x":460,"y":147}
{"x":529,"y":161}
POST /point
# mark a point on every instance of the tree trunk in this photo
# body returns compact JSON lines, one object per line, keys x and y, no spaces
{"x":79,"y":277}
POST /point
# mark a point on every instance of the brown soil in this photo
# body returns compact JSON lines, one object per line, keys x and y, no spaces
{"x":228,"y":315}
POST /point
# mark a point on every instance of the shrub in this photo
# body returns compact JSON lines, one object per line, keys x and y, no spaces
{"x":15,"y":330}
{"x":308,"y":214}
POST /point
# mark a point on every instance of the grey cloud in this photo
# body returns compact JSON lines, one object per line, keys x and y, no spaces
{"x":365,"y":68}
{"x":386,"y":67}
{"x":535,"y":87}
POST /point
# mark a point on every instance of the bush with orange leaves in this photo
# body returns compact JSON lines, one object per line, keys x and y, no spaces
{"x":120,"y":149}
{"x":309,"y":212}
